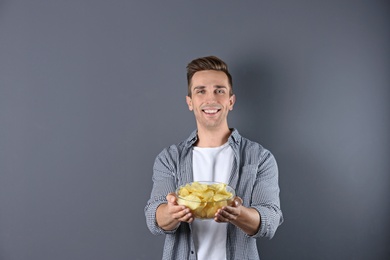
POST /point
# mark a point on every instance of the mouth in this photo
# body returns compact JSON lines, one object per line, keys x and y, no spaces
{"x":211,"y":111}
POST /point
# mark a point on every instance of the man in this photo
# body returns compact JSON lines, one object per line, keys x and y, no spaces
{"x":214,"y":152}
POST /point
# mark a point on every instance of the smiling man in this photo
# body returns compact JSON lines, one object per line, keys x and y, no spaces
{"x":211,"y":100}
{"x":214,"y":152}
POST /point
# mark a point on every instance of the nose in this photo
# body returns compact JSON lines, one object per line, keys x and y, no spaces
{"x":210,"y":97}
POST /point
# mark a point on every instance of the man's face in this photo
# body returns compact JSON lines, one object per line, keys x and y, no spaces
{"x":210,"y":98}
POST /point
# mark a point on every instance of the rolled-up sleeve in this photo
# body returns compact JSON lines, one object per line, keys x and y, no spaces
{"x":163,"y":183}
{"x":265,"y":196}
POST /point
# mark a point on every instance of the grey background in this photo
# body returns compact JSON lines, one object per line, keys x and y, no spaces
{"x":91,"y":91}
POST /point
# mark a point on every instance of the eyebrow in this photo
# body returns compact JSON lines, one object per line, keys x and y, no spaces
{"x":220,"y":86}
{"x":203,"y":87}
{"x":199,"y":87}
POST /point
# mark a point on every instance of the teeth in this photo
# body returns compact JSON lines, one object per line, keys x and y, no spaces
{"x":210,"y":111}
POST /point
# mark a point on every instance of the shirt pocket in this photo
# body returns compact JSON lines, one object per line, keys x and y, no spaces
{"x":246,"y":182}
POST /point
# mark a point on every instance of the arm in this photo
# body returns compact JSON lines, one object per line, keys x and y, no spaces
{"x":247,"y":219}
{"x":162,"y":213}
{"x":261,"y":215}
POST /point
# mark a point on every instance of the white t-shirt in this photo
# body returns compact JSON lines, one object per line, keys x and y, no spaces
{"x":211,"y":164}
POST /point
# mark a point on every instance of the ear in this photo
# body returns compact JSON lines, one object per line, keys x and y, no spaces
{"x":232,"y":101}
{"x":189,"y":103}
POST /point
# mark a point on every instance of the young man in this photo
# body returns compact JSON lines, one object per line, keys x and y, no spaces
{"x":214,"y":152}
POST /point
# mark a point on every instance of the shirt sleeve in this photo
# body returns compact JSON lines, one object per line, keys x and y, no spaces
{"x":164,"y":172}
{"x":265,"y":196}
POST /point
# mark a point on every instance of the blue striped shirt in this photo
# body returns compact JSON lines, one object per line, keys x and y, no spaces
{"x":254,"y":177}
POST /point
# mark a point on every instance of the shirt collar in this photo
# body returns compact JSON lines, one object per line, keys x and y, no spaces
{"x":192,"y":138}
{"x":234,"y":137}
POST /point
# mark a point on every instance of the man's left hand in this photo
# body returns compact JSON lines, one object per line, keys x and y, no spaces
{"x":229,"y":213}
{"x":247,"y":219}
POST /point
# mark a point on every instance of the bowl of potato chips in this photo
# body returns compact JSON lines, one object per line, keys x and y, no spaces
{"x":204,"y":198}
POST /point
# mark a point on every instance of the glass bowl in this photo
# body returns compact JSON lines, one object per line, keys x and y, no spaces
{"x":204,"y":198}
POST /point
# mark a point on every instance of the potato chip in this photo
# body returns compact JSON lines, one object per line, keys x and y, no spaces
{"x":219,"y":196}
{"x":204,"y":199}
{"x":210,"y":211}
{"x":219,"y":187}
{"x":191,"y":201}
{"x":208,"y":195}
{"x":196,"y":186}
{"x":184,"y":192}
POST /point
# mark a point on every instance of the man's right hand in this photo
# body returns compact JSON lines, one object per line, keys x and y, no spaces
{"x":169,"y":215}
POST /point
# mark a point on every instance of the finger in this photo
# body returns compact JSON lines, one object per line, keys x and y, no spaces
{"x":229,"y":210}
{"x":221,"y":216}
{"x":221,"y":219}
{"x":225,"y":213}
{"x":177,"y":211}
{"x":171,"y":198}
{"x":237,"y":201}
{"x":229,"y":213}
{"x":171,"y":195}
{"x":182,"y":214}
{"x":185,"y":216}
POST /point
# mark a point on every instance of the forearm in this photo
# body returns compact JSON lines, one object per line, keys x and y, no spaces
{"x":248,"y":221}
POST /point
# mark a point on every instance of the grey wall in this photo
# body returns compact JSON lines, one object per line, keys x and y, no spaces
{"x":91,"y":91}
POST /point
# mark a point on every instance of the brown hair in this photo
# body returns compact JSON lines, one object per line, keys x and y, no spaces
{"x":207,"y":63}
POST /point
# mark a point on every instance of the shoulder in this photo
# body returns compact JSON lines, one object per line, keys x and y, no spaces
{"x":253,"y":152}
{"x":175,"y":150}
{"x":170,"y":158}
{"x":245,"y":144}
{"x":253,"y":145}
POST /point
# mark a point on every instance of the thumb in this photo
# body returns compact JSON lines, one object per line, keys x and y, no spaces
{"x":171,"y":198}
{"x":237,"y":201}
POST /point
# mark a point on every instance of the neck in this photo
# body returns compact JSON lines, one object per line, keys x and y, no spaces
{"x":212,"y":137}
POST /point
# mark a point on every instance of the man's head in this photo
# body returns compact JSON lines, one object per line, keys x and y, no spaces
{"x":207,"y":63}
{"x":210,"y":94}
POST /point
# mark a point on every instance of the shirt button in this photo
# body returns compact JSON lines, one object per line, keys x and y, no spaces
{"x":192,"y":252}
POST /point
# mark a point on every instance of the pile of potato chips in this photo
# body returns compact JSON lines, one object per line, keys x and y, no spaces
{"x":204,"y":199}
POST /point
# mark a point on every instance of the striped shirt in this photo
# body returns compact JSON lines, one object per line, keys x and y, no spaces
{"x":254,"y":177}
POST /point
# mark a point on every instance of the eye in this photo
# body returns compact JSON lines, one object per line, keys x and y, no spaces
{"x":201,"y":91}
{"x":220,"y":91}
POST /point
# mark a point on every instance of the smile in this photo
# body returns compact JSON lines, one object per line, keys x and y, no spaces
{"x":211,"y":111}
